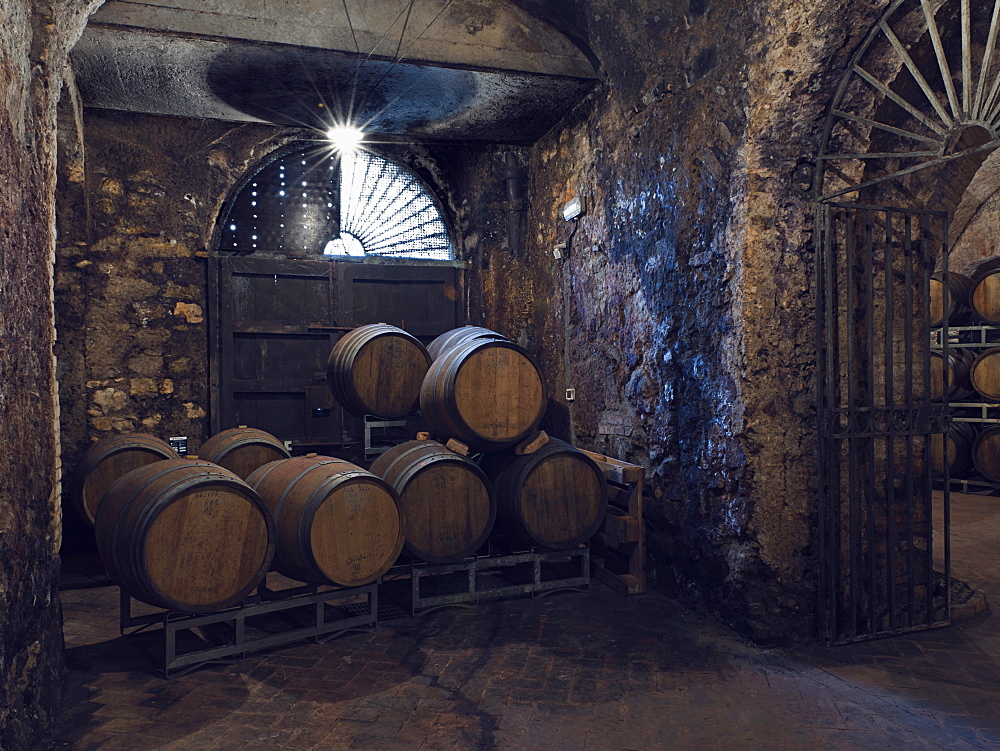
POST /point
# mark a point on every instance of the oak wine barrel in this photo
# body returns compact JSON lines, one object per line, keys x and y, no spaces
{"x":377,"y":370}
{"x":985,"y":374}
{"x":986,"y":453}
{"x":951,"y":294}
{"x":953,"y":449}
{"x":958,"y":366}
{"x":447,"y":502}
{"x":985,"y":296}
{"x":488,"y":394}
{"x":107,"y":460}
{"x":555,"y":497}
{"x":242,"y":450}
{"x":463,"y":334}
{"x":185,"y":535}
{"x":335,"y":523}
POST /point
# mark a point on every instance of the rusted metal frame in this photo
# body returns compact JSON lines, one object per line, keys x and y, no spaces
{"x":946,"y":494}
{"x":892,"y":95}
{"x":837,"y":445}
{"x":987,"y":59}
{"x":909,"y":170}
{"x":915,"y":71}
{"x":823,"y":334}
{"x":890,"y":401}
{"x":942,"y":59}
{"x":853,"y":504}
{"x":910,"y":479}
{"x":474,"y":566}
{"x":870,"y":393}
{"x":174,"y":622}
{"x":927,"y":258}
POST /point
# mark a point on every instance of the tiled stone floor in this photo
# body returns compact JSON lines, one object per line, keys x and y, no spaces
{"x":573,"y":671}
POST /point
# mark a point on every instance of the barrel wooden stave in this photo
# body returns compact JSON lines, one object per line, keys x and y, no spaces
{"x":107,"y":460}
{"x":377,"y":369}
{"x":336,"y":523}
{"x":447,"y":502}
{"x":984,"y":374}
{"x":986,"y":453}
{"x":958,"y":365}
{"x":488,"y":394}
{"x":555,"y":497}
{"x":951,"y":293}
{"x":954,"y":449}
{"x":985,"y":296}
{"x":184,"y":535}
{"x":461,"y":335}
{"x":242,"y":450}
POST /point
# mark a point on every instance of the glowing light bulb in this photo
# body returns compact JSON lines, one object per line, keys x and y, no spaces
{"x":345,"y":138}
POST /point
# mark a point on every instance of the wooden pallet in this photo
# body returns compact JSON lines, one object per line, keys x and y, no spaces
{"x":619,"y":548}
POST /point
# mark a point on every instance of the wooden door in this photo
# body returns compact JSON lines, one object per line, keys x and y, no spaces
{"x":278,"y":319}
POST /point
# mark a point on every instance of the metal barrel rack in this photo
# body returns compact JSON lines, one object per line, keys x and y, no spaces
{"x":326,"y":612}
{"x":494,"y":577}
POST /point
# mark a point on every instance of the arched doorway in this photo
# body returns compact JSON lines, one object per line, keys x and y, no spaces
{"x":309,"y":245}
{"x":912,"y":121}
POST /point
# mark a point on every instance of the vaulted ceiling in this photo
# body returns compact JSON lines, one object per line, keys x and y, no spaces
{"x":453,"y":69}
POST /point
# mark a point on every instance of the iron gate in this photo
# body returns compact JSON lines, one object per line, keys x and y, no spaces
{"x":877,"y":419}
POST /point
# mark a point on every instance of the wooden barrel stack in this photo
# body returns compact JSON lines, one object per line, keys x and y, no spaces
{"x":447,"y":502}
{"x":335,"y":522}
{"x":487,"y":393}
{"x":951,"y":294}
{"x":953,"y":450}
{"x":555,"y":497}
{"x":242,"y":450}
{"x":957,"y":368}
{"x":184,"y":535}
{"x":986,"y":453}
{"x":377,"y":370}
{"x":453,"y":338}
{"x":985,"y":295}
{"x":109,"y":459}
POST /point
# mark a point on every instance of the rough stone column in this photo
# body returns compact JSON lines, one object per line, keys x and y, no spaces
{"x":35,"y":38}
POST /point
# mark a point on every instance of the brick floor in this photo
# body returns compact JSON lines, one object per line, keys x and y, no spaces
{"x":572,"y":671}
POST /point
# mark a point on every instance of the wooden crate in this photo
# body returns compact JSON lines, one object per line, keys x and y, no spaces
{"x":619,"y":549}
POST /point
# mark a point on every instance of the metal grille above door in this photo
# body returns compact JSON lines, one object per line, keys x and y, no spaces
{"x":878,"y":418}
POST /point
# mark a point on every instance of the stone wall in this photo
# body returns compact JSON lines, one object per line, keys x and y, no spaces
{"x":138,"y":197}
{"x":138,"y":200}
{"x":681,"y":311}
{"x":34,"y":39}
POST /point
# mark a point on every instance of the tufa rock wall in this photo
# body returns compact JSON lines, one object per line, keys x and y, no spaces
{"x":682,"y":310}
{"x":138,"y":200}
{"x":35,"y":38}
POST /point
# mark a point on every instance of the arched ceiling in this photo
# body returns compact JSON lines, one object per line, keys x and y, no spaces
{"x":455,"y":69}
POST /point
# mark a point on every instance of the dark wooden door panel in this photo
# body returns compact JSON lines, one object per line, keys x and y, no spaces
{"x":279,"y":319}
{"x":423,"y":300}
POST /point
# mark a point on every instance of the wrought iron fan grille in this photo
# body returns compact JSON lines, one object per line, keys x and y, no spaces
{"x":385,"y":210}
{"x":922,"y":90}
{"x":312,"y":201}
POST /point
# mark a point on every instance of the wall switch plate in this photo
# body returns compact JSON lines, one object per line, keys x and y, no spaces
{"x":571,"y":395}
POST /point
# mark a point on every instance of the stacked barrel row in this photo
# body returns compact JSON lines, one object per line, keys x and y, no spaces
{"x":487,"y":393}
{"x":965,"y":448}
{"x":198,"y":534}
{"x":967,"y":374}
{"x":967,"y":298}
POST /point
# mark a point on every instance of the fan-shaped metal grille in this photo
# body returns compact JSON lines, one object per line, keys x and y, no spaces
{"x":289,"y":205}
{"x":923,"y":90}
{"x":385,"y":210}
